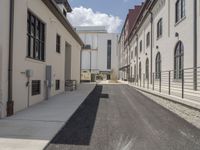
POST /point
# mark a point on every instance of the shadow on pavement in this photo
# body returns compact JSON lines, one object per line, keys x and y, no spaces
{"x":78,"y":130}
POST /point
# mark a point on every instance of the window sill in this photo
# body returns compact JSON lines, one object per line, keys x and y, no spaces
{"x":158,"y":38}
{"x":34,"y":60}
{"x":58,"y":52}
{"x":177,"y":80}
{"x":35,"y":95}
{"x":181,"y":20}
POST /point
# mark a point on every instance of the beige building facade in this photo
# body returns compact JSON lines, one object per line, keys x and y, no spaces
{"x":46,"y":52}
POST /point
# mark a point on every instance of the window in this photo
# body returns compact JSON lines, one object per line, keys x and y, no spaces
{"x":148,"y":39}
{"x":135,"y":72}
{"x":178,"y":60}
{"x":147,"y":69}
{"x":159,"y":28}
{"x":64,"y":13}
{"x":35,"y":87}
{"x":109,"y":46}
{"x":131,"y":72}
{"x":57,"y":84}
{"x":58,"y":43}
{"x":141,"y":46}
{"x":158,"y":66}
{"x":140,"y":71}
{"x":131,"y":54}
{"x":180,"y":10}
{"x":35,"y":38}
{"x":136,"y":51}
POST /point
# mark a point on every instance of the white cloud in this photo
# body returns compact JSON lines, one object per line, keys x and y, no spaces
{"x":81,"y":16}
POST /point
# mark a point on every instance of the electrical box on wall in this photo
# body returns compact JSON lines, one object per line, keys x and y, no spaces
{"x":29,"y":73}
{"x":49,"y":75}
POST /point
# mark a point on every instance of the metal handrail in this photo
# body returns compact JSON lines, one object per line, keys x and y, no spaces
{"x":181,"y":81}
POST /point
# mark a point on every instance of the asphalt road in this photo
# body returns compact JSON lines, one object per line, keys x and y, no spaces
{"x":117,"y":117}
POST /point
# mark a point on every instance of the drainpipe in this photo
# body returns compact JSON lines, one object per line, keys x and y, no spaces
{"x":137,"y":58}
{"x":81,"y":62}
{"x":10,"y":103}
{"x":128,"y":61}
{"x":195,"y":45}
{"x":91,"y":65}
{"x":151,"y":69}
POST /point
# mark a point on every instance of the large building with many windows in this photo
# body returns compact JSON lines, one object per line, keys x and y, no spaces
{"x":99,"y":57}
{"x":39,"y":50}
{"x":162,"y":48}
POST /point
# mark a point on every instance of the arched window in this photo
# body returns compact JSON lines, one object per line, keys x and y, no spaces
{"x":158,"y":66}
{"x":180,"y":10}
{"x":147,"y":69}
{"x":135,"y":72}
{"x":140,"y":71}
{"x":178,"y":60}
{"x":159,"y":28}
{"x":148,"y":39}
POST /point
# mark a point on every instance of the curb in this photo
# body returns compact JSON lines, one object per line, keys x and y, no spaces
{"x":185,"y":102}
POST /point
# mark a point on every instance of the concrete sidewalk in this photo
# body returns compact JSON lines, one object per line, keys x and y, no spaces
{"x":33,"y":128}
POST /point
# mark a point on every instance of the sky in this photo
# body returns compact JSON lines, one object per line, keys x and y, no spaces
{"x":101,"y":13}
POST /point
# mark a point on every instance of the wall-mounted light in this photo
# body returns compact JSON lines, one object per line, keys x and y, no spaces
{"x":176,"y":34}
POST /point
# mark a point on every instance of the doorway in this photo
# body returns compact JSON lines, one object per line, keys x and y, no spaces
{"x":67,"y":61}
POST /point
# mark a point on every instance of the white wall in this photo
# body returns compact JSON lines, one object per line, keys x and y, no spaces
{"x":198,"y":34}
{"x":21,"y":63}
{"x":4,"y":47}
{"x":165,"y":9}
{"x":98,"y":42}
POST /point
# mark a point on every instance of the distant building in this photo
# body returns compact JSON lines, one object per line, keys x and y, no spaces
{"x":39,"y":50}
{"x":100,"y":54}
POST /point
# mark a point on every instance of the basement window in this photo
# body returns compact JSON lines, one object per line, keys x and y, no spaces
{"x":57,"y":84}
{"x":36,"y":87}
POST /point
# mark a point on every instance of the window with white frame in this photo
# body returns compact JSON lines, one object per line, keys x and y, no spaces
{"x":159,"y":28}
{"x":147,"y":69}
{"x":180,"y":10}
{"x":158,"y":66}
{"x":140,"y":71}
{"x":178,"y":60}
{"x":141,"y":46}
{"x":148,"y":39}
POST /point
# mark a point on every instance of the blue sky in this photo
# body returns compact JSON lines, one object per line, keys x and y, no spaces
{"x":101,"y":12}
{"x":113,"y":7}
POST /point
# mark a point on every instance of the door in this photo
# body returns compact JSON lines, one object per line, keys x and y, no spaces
{"x":67,"y":62}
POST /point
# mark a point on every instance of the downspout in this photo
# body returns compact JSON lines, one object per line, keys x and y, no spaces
{"x":151,"y":69}
{"x":10,"y":103}
{"x":137,"y":58}
{"x":90,"y":66}
{"x":81,"y":63}
{"x":128,"y":62}
{"x":195,"y":45}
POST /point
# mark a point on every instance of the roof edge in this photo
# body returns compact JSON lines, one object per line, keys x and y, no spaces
{"x":51,"y":4}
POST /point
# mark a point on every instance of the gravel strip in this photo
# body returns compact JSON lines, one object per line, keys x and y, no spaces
{"x":187,"y":113}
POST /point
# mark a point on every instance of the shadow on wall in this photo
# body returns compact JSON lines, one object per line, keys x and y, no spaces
{"x":78,"y":130}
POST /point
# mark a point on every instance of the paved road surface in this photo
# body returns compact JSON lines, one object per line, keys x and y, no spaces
{"x":117,"y":117}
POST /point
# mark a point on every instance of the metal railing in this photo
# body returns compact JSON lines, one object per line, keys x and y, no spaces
{"x":181,"y":83}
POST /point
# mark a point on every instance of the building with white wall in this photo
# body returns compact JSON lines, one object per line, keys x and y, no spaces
{"x":163,"y":45}
{"x":39,"y":50}
{"x":99,"y":57}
